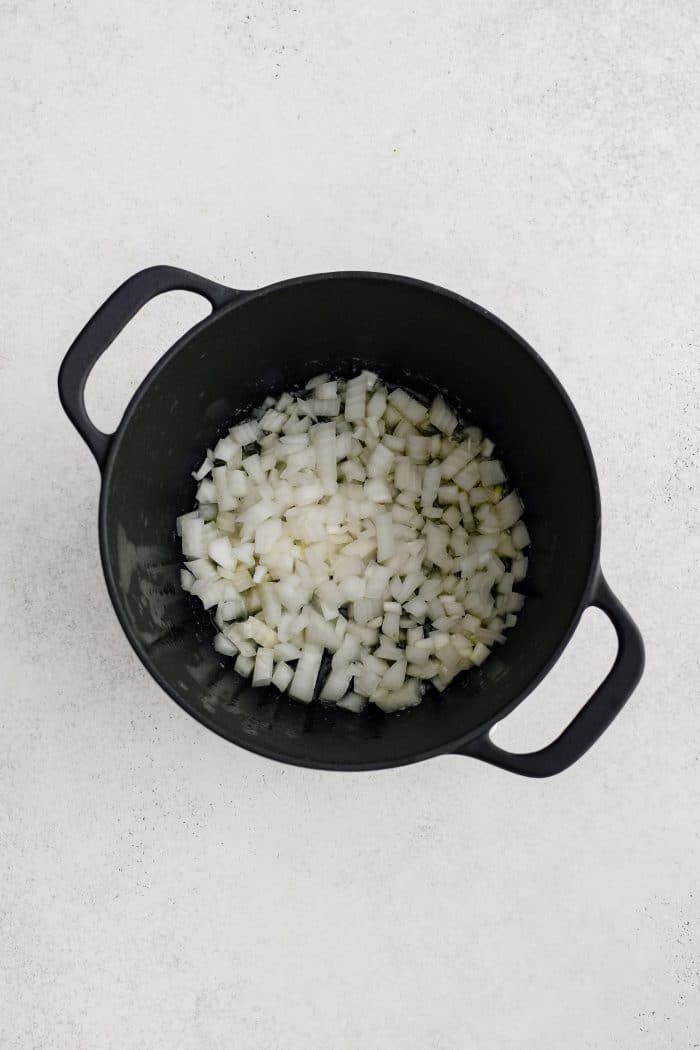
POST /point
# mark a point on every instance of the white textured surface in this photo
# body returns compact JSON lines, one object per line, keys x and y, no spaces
{"x":159,"y":888}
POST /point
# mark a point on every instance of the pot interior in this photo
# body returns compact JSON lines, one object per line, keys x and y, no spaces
{"x":414,"y":336}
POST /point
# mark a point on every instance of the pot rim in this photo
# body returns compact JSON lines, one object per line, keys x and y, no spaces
{"x":115,"y":593}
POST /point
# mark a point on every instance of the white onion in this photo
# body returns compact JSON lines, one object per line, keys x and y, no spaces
{"x":353,"y":702}
{"x":224,"y":646}
{"x":381,"y":536}
{"x":264,"y":667}
{"x":244,"y":665}
{"x":282,"y":676}
{"x":442,"y":417}
{"x":412,"y":410}
{"x":303,"y":684}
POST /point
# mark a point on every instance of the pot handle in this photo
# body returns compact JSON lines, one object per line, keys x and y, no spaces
{"x":104,"y":327}
{"x":596,"y":715}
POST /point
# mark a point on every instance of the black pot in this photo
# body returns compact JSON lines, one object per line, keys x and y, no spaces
{"x":267,"y":341}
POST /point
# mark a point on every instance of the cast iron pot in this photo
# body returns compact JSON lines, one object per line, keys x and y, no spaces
{"x":271,"y":340}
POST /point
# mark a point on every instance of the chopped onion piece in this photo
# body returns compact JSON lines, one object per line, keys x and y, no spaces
{"x":407,"y":696}
{"x":519,"y":568}
{"x":323,"y":436}
{"x":380,"y":461}
{"x":304,"y":681}
{"x":509,"y":510}
{"x":409,"y":408}
{"x":258,"y":631}
{"x":194,"y":542}
{"x":480,"y":653}
{"x":245,"y":433}
{"x":519,"y":535}
{"x":456,"y":461}
{"x":224,"y":645}
{"x":385,"y":536}
{"x":203,"y":470}
{"x":282,"y":676}
{"x":244,"y":665}
{"x":353,"y":702}
{"x":317,"y":381}
{"x":491,"y":472}
{"x":263,"y":669}
{"x":355,"y":393}
{"x":377,"y":404}
{"x":442,"y":417}
{"x":366,"y":683}
{"x":325,"y":406}
{"x":336,"y":685}
{"x":221,"y":551}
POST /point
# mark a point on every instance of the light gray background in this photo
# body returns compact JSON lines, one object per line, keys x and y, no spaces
{"x":160,"y":888}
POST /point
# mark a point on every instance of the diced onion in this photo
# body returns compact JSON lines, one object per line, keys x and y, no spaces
{"x":304,"y":681}
{"x":282,"y":677}
{"x":442,"y":417}
{"x":264,"y":667}
{"x":384,"y":536}
{"x":353,"y":702}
